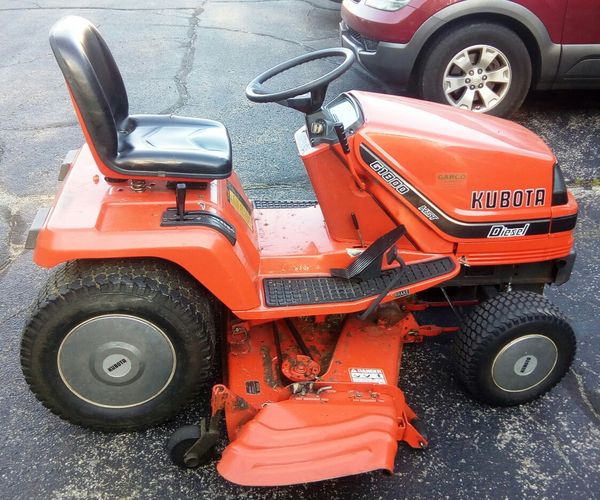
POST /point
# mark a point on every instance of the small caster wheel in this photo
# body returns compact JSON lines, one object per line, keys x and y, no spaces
{"x":180,"y":442}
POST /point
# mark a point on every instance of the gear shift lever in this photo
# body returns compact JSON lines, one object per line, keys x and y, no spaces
{"x":180,"y":190}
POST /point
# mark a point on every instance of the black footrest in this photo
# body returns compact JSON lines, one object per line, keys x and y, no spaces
{"x":281,"y":292}
{"x":368,"y":264}
{"x":287,"y":204}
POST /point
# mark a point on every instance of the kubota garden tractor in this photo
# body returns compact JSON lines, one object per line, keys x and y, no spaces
{"x":161,"y":257}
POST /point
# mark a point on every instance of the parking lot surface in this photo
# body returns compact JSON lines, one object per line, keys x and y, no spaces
{"x":195,"y":58}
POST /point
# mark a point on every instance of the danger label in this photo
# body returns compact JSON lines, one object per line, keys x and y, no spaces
{"x":367,"y":375}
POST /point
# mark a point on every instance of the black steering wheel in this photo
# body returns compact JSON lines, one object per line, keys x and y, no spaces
{"x":295,"y":97}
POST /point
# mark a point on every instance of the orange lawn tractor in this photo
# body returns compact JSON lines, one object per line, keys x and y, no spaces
{"x":161,"y":257}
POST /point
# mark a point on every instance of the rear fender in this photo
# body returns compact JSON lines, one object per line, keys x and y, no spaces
{"x":93,"y":219}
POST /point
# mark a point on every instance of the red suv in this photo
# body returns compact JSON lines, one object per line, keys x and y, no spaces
{"x":481,"y":55}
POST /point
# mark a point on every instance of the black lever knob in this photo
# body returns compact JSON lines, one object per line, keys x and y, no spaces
{"x":180,"y":190}
{"x":342,"y":137}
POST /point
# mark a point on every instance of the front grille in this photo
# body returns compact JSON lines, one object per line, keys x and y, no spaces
{"x":366,"y":43}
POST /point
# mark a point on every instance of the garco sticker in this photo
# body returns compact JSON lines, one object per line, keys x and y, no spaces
{"x":367,"y":375}
{"x":452,"y":178}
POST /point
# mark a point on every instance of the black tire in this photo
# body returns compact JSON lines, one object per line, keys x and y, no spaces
{"x":443,"y":48}
{"x":180,"y":442}
{"x":513,"y":348}
{"x":158,"y":296}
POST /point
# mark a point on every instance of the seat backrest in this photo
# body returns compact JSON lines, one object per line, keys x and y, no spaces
{"x":93,"y":80}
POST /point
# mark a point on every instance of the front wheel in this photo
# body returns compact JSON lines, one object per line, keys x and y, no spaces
{"x":481,"y":67}
{"x":118,"y":345}
{"x":513,"y":348}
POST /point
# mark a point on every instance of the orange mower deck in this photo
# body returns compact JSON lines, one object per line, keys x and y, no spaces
{"x":345,"y":420}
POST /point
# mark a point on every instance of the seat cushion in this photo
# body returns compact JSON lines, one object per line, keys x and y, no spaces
{"x":173,"y":146}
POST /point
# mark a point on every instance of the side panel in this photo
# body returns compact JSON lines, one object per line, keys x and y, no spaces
{"x":582,"y":22}
{"x":339,"y":198}
{"x":92,"y":219}
{"x":580,"y":60}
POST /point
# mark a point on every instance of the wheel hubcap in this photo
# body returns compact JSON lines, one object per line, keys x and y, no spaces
{"x":116,"y":361}
{"x":524,"y":363}
{"x":477,"y":78}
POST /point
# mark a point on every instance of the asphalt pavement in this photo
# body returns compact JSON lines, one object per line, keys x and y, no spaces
{"x":195,"y":58}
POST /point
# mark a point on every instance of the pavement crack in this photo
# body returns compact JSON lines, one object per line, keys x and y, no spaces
{"x":14,"y":250}
{"x":314,"y":5}
{"x":20,"y":63}
{"x":576,"y":300}
{"x":14,"y":315}
{"x":187,"y":64}
{"x":13,"y":205}
{"x":582,"y":392}
{"x":308,"y":2}
{"x":556,"y":446}
{"x":43,"y":127}
{"x":87,"y":7}
{"x":273,"y":37}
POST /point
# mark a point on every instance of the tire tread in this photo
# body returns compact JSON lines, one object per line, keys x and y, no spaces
{"x":161,"y":281}
{"x":489,"y":321}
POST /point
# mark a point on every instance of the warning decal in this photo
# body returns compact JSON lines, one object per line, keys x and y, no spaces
{"x":239,"y":205}
{"x":367,"y":375}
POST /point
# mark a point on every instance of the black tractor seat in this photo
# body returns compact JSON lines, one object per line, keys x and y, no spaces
{"x":132,"y":146}
{"x":174,"y":145}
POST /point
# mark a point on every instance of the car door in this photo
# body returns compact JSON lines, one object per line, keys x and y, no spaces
{"x":580,"y":59}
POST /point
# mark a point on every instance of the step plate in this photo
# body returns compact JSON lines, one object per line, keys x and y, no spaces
{"x":283,"y":204}
{"x":282,"y":292}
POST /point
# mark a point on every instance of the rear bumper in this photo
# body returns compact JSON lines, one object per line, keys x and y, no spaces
{"x":389,"y":61}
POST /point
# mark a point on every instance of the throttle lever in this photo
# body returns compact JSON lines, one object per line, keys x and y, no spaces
{"x":342,"y":137}
{"x":180,"y":190}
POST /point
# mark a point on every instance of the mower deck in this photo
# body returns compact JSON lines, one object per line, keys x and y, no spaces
{"x":287,"y":426}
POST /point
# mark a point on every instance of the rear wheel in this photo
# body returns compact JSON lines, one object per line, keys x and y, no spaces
{"x":481,"y":67}
{"x":513,"y":348}
{"x":118,"y":345}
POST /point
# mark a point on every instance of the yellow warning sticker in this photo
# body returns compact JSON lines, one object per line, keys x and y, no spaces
{"x":239,"y":205}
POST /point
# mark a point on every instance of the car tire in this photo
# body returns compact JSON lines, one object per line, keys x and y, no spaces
{"x":513,"y":348}
{"x":445,"y":69}
{"x":119,"y":345}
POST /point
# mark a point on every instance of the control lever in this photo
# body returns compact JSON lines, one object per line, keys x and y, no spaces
{"x":342,"y":137}
{"x":348,"y":158}
{"x":180,"y":191}
{"x":357,"y":228}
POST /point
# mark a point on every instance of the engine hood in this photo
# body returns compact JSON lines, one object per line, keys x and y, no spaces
{"x":461,"y":161}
